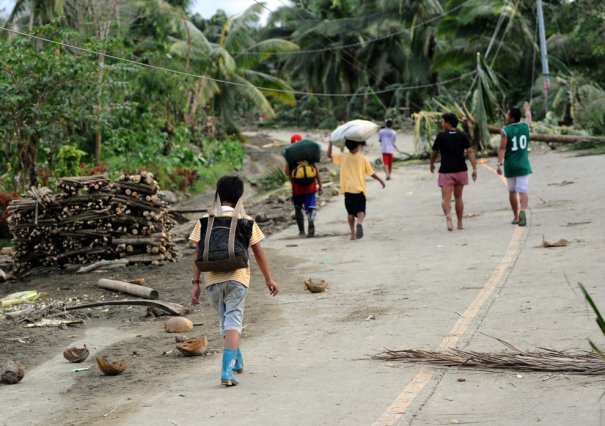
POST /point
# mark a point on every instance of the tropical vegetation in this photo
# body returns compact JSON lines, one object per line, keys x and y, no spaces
{"x":122,"y":85}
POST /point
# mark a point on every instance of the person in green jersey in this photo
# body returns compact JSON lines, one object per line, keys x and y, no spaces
{"x":513,"y":155}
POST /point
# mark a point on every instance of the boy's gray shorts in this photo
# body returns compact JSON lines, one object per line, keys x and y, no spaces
{"x":228,"y":299}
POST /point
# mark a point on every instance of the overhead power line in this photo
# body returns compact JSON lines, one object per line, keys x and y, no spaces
{"x":226,"y":82}
{"x":364,"y":42}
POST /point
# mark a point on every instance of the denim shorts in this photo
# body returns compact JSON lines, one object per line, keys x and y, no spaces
{"x":228,"y":299}
{"x":308,"y":201}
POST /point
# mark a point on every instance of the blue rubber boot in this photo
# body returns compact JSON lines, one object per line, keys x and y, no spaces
{"x":227,"y":378}
{"x":239,"y":362}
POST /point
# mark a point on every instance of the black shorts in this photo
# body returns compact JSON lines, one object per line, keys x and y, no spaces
{"x":355,"y":203}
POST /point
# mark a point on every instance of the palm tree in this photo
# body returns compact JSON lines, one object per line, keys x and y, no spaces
{"x":230,"y":69}
{"x":317,"y":28}
{"x":43,"y":9}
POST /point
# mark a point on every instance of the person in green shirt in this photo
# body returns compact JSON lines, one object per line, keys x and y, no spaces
{"x":513,"y":154}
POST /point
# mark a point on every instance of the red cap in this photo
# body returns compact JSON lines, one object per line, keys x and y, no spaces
{"x":295,"y":138}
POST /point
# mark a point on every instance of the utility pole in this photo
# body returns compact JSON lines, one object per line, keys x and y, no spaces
{"x":543,"y":53}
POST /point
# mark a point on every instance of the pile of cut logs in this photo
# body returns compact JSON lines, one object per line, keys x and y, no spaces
{"x":92,"y":219}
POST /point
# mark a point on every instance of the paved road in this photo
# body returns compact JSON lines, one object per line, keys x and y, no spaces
{"x":410,"y":284}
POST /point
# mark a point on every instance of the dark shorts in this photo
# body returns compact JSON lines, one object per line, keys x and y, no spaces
{"x":355,"y":203}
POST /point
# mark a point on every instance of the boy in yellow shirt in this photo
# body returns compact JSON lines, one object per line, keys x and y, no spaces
{"x":228,"y":290}
{"x":354,"y":167}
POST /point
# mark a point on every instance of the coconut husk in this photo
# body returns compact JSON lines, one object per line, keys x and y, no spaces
{"x":193,"y":346}
{"x":560,"y":243}
{"x":12,"y":373}
{"x":315,"y":287}
{"x":110,"y":368}
{"x":76,"y":354}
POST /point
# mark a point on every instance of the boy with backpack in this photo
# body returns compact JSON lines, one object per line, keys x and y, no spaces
{"x":306,"y":182}
{"x":226,"y":268}
{"x":354,"y":167}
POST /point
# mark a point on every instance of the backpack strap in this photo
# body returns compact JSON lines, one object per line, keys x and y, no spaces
{"x":237,"y":212}
{"x":211,"y":214}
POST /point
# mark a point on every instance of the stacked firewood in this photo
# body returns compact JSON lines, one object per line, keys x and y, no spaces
{"x":141,"y":223}
{"x":91,"y":219}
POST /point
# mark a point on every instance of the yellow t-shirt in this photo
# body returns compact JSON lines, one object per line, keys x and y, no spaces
{"x":241,"y":275}
{"x":353,"y":171}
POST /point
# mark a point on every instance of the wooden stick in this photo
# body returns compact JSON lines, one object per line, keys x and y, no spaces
{"x":171,"y":308}
{"x":124,"y":287}
{"x":101,"y":263}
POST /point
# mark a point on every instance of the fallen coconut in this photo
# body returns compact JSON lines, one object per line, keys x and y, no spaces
{"x":12,"y":373}
{"x":193,"y":346}
{"x":315,"y":287}
{"x":181,"y":338}
{"x":178,"y":325}
{"x":111,"y":368}
{"x":76,"y":354}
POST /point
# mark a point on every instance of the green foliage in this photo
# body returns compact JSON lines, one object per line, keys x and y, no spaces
{"x":310,"y":112}
{"x":68,"y":161}
{"x":370,"y":52}
{"x":484,"y":102}
{"x":365,"y":104}
{"x":46,"y":98}
{"x":273,"y":179}
{"x":599,"y":320}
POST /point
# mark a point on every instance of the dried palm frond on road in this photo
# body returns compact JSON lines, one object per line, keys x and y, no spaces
{"x":547,"y":360}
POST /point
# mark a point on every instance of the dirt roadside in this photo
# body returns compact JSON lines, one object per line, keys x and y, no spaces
{"x":133,"y":333}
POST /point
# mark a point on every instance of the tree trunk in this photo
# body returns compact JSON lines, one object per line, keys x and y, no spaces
{"x":196,"y":100}
{"x":98,"y":146}
{"x":540,"y":137}
{"x":32,"y":15}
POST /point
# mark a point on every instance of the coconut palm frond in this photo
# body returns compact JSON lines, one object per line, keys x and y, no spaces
{"x":547,"y":360}
{"x":426,"y":125}
{"x":281,"y":92}
{"x":251,"y":92}
{"x":261,"y":51}
{"x":484,"y":101}
{"x":600,"y":321}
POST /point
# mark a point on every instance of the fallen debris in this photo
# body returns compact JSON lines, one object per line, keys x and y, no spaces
{"x":12,"y":373}
{"x":128,"y":288}
{"x":178,"y":325}
{"x":193,"y":346}
{"x":171,"y":308}
{"x":49,"y":322}
{"x":103,"y":263}
{"x":560,"y":243}
{"x":549,"y":360}
{"x":316,"y":287}
{"x":20,"y":297}
{"x":110,"y":368}
{"x":76,"y":354}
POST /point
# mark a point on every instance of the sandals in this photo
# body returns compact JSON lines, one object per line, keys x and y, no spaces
{"x":359,"y":231}
{"x":522,"y":218}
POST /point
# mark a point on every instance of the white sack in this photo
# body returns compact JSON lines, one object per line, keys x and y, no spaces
{"x":355,"y":130}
